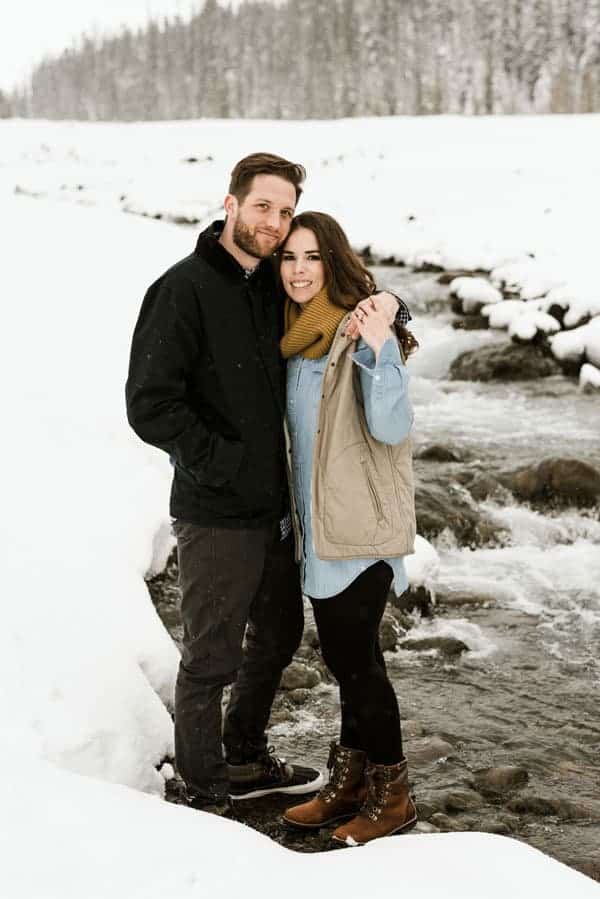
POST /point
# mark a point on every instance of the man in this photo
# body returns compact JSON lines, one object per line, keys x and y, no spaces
{"x":206,"y":384}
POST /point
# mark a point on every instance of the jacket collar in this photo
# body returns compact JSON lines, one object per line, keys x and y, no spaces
{"x":214,"y":253}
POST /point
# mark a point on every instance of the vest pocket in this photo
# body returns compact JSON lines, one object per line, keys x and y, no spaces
{"x":355,"y":511}
{"x":377,"y":507}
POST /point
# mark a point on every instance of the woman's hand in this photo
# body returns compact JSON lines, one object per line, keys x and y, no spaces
{"x":373,"y":326}
{"x":384,"y":301}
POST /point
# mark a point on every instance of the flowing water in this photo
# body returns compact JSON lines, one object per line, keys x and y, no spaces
{"x":526,"y":693}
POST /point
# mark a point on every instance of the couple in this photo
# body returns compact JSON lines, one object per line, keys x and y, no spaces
{"x":207,"y":384}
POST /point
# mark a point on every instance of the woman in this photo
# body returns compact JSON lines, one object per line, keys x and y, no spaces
{"x":348,"y":418}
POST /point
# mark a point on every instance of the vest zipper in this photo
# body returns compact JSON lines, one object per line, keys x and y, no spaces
{"x":374,"y":497}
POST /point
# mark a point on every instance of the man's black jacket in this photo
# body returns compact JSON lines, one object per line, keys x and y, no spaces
{"x":206,"y":384}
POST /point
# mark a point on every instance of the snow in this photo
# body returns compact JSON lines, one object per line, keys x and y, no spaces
{"x":474,"y":293}
{"x":526,"y":326}
{"x":589,"y":377}
{"x":506,"y":196}
{"x":502,"y":315}
{"x":72,"y":836}
{"x":87,"y":502}
{"x":422,"y":566}
{"x":574,"y":345}
{"x":504,"y":191}
{"x":87,"y":669}
{"x":479,"y":644}
{"x":526,"y":278}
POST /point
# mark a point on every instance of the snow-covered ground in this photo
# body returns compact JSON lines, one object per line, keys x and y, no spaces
{"x":469,"y":192}
{"x":86,"y":667}
{"x":515,"y":196}
{"x":70,"y":837}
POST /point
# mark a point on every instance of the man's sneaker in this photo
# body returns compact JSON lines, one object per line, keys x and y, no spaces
{"x":270,"y":774}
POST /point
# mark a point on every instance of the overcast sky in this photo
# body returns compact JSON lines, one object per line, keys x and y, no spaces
{"x":31,"y":28}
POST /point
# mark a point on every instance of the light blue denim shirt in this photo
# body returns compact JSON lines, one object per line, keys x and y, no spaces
{"x":389,"y":416}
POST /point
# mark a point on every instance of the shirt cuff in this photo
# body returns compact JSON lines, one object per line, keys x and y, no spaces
{"x":388,"y":355}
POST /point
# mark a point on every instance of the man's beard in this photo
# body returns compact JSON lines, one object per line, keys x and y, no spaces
{"x":245,"y":239}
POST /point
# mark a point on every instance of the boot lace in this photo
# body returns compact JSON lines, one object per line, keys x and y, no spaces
{"x":338,"y":765}
{"x":379,"y":786}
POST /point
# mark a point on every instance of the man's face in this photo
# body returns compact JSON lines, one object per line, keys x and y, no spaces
{"x":262,"y":221}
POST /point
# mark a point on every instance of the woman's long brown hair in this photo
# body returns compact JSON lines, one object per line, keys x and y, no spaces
{"x":347,"y":279}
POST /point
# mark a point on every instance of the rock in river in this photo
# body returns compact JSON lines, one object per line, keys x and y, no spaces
{"x":501,"y":779}
{"x":569,"y":480}
{"x":430,"y":749}
{"x":388,"y":633}
{"x":299,"y":696}
{"x":448,"y":825}
{"x":447,"y":646}
{"x":462,"y":800}
{"x":507,"y":362}
{"x":441,"y":506}
{"x":299,"y":676}
{"x":439,"y":452}
{"x":565,"y":809}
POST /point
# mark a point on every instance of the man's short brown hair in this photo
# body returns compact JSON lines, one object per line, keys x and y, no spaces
{"x":264,"y":164}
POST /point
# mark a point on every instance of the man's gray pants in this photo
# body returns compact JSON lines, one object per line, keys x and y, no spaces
{"x":232,"y":581}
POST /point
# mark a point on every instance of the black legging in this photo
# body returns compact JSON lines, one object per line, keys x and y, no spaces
{"x":348,"y":626}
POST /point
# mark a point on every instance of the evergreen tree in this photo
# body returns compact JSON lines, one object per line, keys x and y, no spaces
{"x":306,"y":59}
{"x":6,"y":107}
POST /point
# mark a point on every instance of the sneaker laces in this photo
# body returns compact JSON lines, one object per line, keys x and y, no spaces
{"x":275,"y":765}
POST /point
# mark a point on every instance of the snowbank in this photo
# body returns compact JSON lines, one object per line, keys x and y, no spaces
{"x":85,"y":503}
{"x":71,"y":836}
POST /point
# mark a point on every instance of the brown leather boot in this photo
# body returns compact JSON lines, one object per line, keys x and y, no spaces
{"x":389,"y":807}
{"x":341,"y":798}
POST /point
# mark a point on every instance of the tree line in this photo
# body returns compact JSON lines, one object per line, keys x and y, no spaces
{"x":306,"y":59}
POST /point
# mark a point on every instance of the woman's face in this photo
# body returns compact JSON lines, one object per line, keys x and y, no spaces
{"x":302,"y":271}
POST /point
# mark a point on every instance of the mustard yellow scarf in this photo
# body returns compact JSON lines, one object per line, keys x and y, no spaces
{"x":310,"y":327}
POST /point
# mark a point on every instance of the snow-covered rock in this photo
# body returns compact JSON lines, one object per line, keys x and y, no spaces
{"x":526,"y":326}
{"x":474,"y":293}
{"x":526,"y":277}
{"x":422,"y":566}
{"x":579,"y":343}
{"x":579,"y":304}
{"x":589,"y":378}
{"x":501,"y":315}
{"x":592,"y":342}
